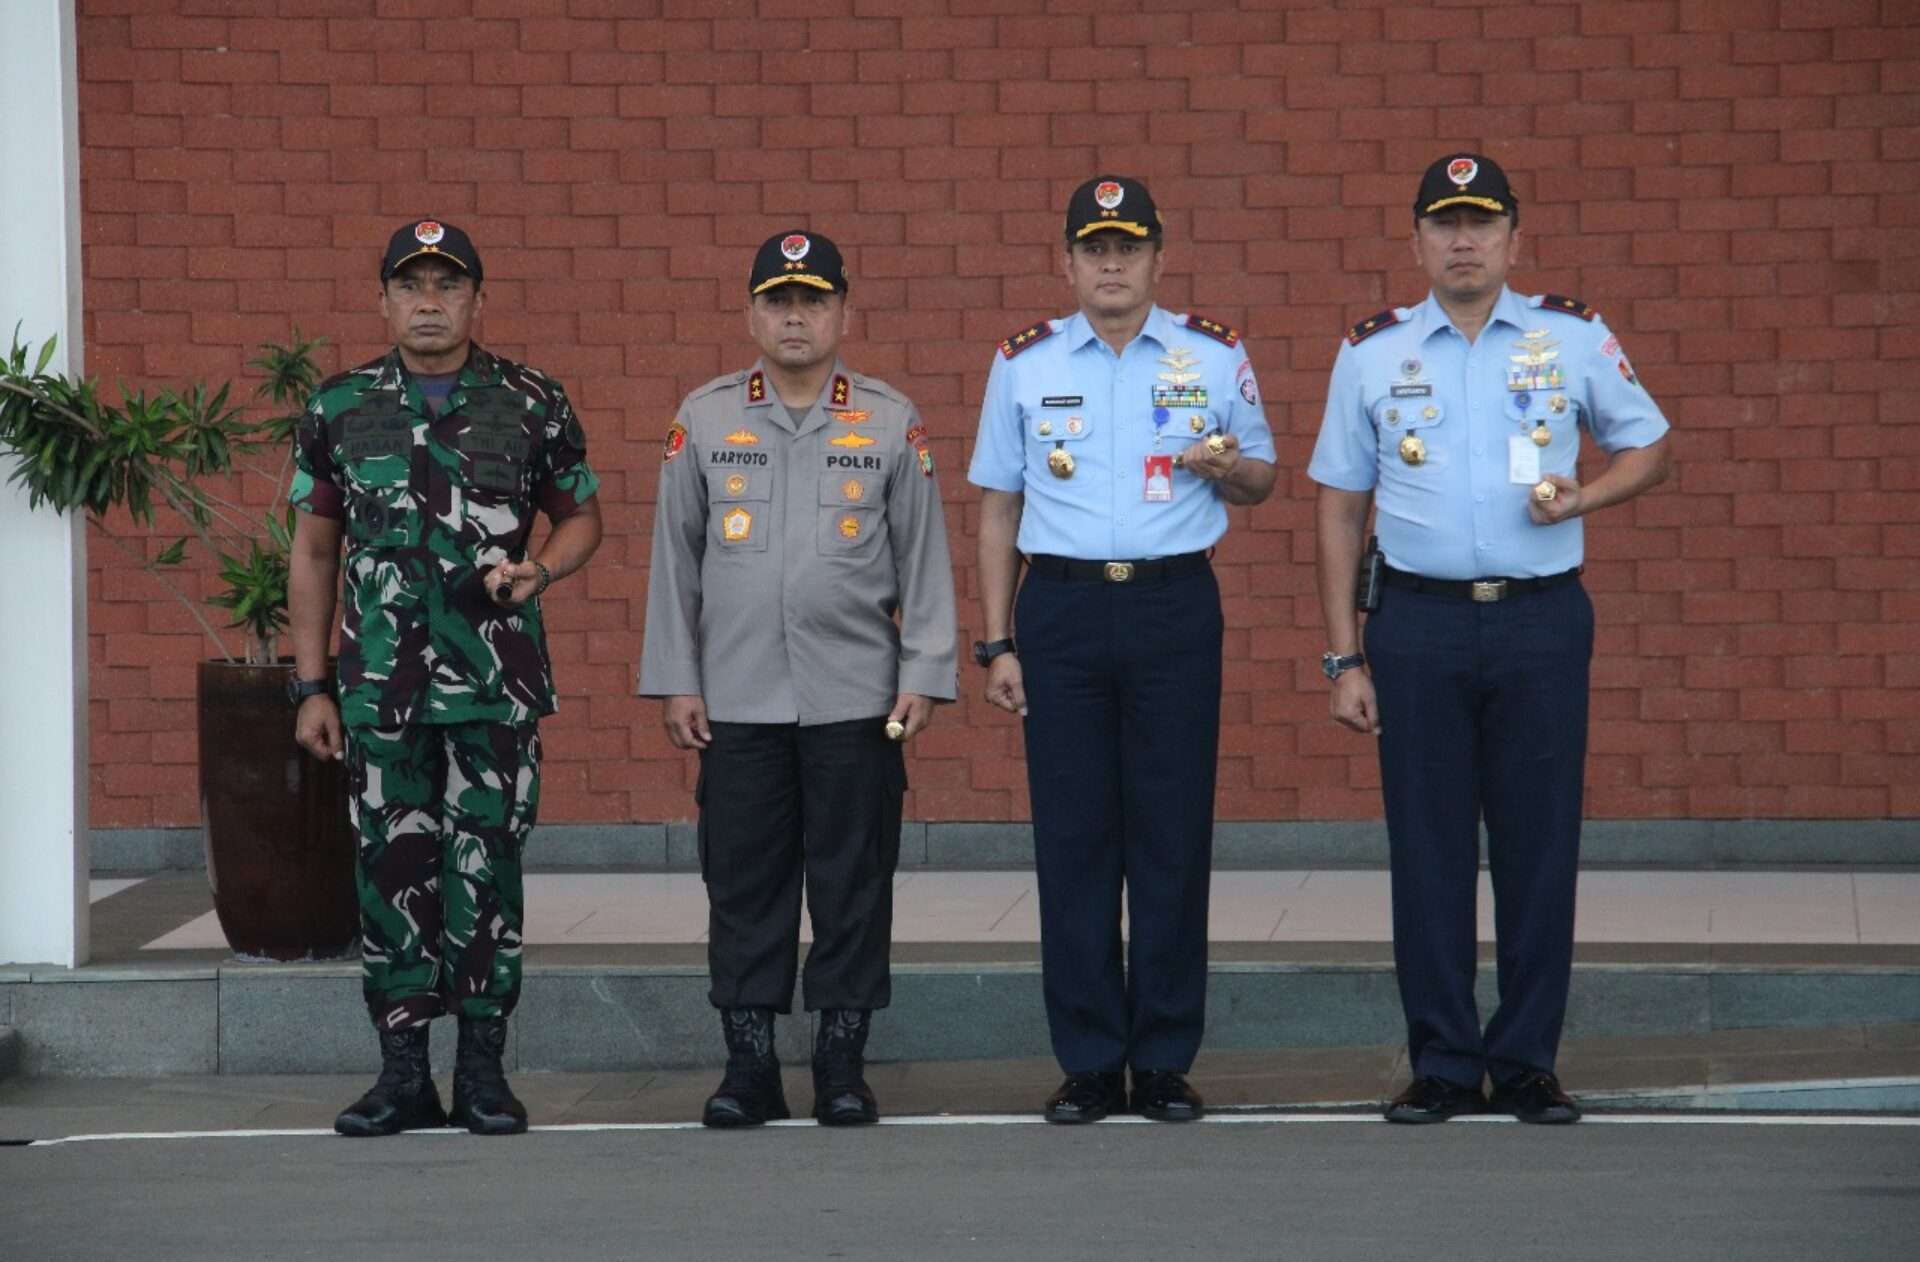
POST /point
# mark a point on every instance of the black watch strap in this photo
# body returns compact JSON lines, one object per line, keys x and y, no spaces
{"x":299,"y":690}
{"x":984,"y":651}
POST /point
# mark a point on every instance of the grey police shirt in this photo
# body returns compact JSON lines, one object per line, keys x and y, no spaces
{"x":800,"y":571}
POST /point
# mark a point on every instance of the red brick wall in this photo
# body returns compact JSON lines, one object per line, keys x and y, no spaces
{"x":1734,"y":183}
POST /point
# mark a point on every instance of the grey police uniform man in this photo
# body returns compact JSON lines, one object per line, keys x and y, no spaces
{"x":798,"y":515}
{"x":1459,"y":418}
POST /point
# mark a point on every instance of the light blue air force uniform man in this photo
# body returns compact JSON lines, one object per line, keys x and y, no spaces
{"x":1110,"y":444}
{"x":1459,"y":420}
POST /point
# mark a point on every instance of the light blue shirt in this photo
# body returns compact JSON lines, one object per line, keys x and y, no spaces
{"x":1459,"y":514}
{"x":1069,"y":391}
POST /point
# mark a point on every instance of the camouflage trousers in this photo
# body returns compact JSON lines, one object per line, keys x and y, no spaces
{"x":441,"y":813}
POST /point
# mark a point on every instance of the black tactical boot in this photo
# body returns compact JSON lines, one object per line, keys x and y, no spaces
{"x":482,"y":1101}
{"x":403,"y":1098}
{"x":750,"y":1094}
{"x":841,"y":1096}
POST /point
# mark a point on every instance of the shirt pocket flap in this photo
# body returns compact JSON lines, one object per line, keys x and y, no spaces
{"x":1401,"y":415}
{"x":1059,"y":427}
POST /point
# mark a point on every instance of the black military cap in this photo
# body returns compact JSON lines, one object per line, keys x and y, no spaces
{"x":429,"y":238}
{"x":1465,"y":179}
{"x":1111,"y":203}
{"x":798,"y":258}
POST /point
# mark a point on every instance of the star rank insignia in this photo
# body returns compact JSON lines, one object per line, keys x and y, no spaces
{"x":1024,"y":338}
{"x":1214,"y":329}
{"x":1571,"y":306}
{"x":757,"y":388}
{"x":842,"y":391}
{"x":1371,"y":325}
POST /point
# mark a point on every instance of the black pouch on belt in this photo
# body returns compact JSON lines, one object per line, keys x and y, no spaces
{"x":1366,"y":594}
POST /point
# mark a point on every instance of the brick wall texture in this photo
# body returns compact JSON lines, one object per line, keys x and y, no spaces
{"x":1735,"y":184}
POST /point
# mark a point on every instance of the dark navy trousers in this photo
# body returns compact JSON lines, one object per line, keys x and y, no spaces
{"x":1483,"y":714}
{"x":1122,"y":730}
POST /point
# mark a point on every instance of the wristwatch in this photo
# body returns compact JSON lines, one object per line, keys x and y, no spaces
{"x":985,"y":651}
{"x":1333,"y":666}
{"x":299,"y":690}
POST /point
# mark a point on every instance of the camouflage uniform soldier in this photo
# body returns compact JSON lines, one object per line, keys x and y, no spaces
{"x":431,"y":461}
{"x":798,"y":515}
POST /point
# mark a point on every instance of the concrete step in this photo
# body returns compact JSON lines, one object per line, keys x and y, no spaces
{"x":1686,"y":843}
{"x":9,"y":1052}
{"x":633,"y":1007}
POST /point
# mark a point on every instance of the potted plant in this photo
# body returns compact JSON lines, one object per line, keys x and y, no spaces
{"x":279,"y":851}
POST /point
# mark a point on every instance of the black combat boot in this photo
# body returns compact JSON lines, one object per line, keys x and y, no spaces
{"x":750,"y":1094}
{"x":841,"y":1096}
{"x":403,"y":1098}
{"x":482,"y":1101}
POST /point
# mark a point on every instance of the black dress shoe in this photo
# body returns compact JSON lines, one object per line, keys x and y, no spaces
{"x":1428,"y":1099}
{"x":1536,"y":1098}
{"x":1165,"y":1096}
{"x":1087,"y":1097}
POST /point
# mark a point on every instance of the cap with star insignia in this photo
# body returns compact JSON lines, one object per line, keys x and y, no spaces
{"x":1465,"y":179}
{"x":798,"y":258}
{"x":1112,"y":203}
{"x":1026,"y":337}
{"x":431,"y":239}
{"x":1371,"y":325}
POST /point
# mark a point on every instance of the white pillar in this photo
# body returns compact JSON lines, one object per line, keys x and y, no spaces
{"x":43,"y":602}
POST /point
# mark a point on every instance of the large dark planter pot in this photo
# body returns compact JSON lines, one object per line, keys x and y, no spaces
{"x":279,"y":849}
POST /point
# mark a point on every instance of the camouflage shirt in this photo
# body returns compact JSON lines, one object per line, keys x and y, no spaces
{"x":430,"y":505}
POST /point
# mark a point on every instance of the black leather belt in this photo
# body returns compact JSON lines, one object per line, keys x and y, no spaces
{"x":1074,"y":570}
{"x":1482,"y":590}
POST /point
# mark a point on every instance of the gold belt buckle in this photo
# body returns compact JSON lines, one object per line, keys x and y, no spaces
{"x":1493,"y":590}
{"x":1119,"y":571}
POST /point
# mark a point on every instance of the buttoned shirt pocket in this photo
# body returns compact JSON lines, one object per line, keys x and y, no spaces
{"x":1051,"y":425}
{"x":1393,"y":417}
{"x":374,"y":450}
{"x":739,"y":508}
{"x":494,"y":450}
{"x":851,"y":516}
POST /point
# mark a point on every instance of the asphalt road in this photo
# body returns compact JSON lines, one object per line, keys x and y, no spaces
{"x":1264,"y":1189}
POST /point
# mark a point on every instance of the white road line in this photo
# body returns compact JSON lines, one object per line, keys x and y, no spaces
{"x":1030,"y":1119}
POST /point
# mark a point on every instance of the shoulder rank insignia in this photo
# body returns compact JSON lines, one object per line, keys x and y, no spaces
{"x":842,"y":390}
{"x":1215,"y":330}
{"x":1025,"y":338}
{"x":1371,"y":325}
{"x":1572,"y":306}
{"x":757,"y":388}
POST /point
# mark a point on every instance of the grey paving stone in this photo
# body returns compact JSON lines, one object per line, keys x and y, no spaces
{"x":1878,"y":996}
{"x":1627,"y":1002}
{"x":683,"y":846}
{"x":955,"y":845}
{"x":601,"y":847}
{"x":109,"y":1028}
{"x":586,"y":1019}
{"x":952,"y":1013}
{"x":312,"y":1019}
{"x":1295,"y":1007}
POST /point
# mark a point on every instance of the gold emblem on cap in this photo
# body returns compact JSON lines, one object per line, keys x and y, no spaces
{"x":1060,"y":463}
{"x":1412,"y":450}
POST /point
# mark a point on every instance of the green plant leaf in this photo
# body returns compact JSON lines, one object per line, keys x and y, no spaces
{"x":46,"y":355}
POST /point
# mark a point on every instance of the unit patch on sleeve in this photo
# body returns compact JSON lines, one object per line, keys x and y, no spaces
{"x":676,"y":442}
